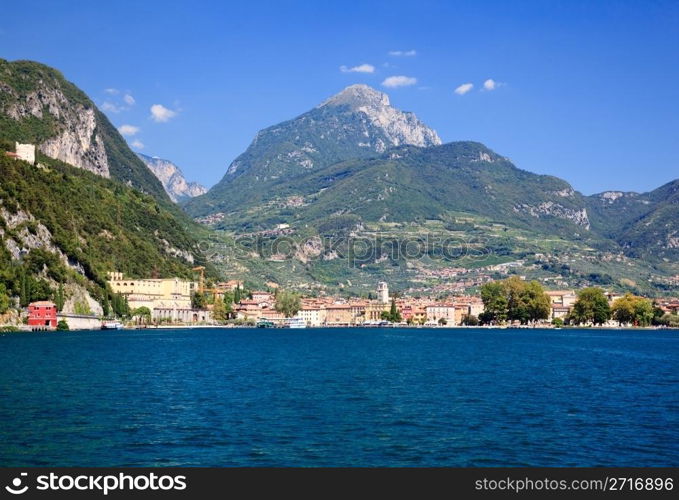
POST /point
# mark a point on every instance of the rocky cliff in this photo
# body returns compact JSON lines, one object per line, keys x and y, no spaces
{"x":172,"y":178}
{"x":39,"y":106}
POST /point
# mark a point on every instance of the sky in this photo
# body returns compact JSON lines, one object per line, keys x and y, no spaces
{"x":587,"y":91}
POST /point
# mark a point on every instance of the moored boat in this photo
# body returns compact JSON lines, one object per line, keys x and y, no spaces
{"x":111,"y":325}
{"x":294,"y":323}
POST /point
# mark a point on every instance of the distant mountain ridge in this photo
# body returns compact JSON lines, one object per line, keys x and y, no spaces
{"x":172,"y":178}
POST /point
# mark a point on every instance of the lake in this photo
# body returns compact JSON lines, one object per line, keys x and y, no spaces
{"x":340,"y":397}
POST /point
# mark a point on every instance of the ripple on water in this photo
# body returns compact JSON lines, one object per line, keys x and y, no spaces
{"x":340,"y":397}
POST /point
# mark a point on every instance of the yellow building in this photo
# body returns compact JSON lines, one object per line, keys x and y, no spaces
{"x":168,"y":299}
{"x":312,"y":315}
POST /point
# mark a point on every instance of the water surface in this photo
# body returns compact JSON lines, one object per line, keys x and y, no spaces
{"x":340,"y":397}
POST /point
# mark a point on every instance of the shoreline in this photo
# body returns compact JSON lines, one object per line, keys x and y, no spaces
{"x":353,"y":327}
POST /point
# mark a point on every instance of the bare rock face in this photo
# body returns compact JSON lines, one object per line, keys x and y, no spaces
{"x":398,"y":126}
{"x":172,"y":178}
{"x":549,"y":208}
{"x":77,"y":140}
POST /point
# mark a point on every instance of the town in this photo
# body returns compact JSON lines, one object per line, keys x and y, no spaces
{"x":175,"y":302}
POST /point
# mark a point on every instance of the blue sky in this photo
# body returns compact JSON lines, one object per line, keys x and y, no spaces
{"x":585,"y":90}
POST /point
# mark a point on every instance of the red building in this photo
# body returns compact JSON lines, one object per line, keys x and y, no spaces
{"x":42,"y":314}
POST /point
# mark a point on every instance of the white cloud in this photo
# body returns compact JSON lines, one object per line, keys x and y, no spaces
{"x":112,"y":91}
{"x":399,"y":81}
{"x":490,"y":84}
{"x":110,"y":107}
{"x":138,"y":144}
{"x":128,"y":130}
{"x":129,"y":100}
{"x":403,"y":53}
{"x":464,"y":88}
{"x":161,"y":114}
{"x":363,"y":68}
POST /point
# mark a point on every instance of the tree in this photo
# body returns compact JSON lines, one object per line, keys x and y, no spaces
{"x":59,"y":298}
{"x":669,"y":320}
{"x":143,"y":313}
{"x":470,"y":320}
{"x":658,"y":314}
{"x":623,"y":309}
{"x":536,"y":302}
{"x":288,"y":303}
{"x":394,"y":314}
{"x":557,"y":322}
{"x":442,"y":322}
{"x":590,"y":307}
{"x":236,"y":295}
{"x":219,"y":313}
{"x":643,"y":312}
{"x":630,"y":309}
{"x":494,"y":303}
{"x":514,"y":299}
{"x":62,"y":325}
{"x":514,"y":289}
{"x":198,"y":300}
{"x":4,"y":299}
{"x":105,"y":306}
{"x":120,"y":306}
{"x":25,"y":290}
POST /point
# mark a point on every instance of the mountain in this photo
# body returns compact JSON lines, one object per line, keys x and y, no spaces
{"x":408,"y":183}
{"x":172,"y":178}
{"x":356,"y":169}
{"x":87,"y":206}
{"x":65,"y":225}
{"x":644,"y":224}
{"x":359,"y":122}
{"x":39,"y":106}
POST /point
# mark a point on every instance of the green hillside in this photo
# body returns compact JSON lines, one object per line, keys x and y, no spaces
{"x":59,"y":224}
{"x":38,"y":104}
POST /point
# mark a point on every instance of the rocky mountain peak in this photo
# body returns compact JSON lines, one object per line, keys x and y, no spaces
{"x":398,"y":127}
{"x":172,"y":178}
{"x":358,"y":96}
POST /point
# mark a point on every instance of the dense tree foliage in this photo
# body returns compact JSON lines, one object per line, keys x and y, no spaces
{"x":515,"y":300}
{"x":288,"y":303}
{"x":4,"y":299}
{"x":98,"y":224}
{"x":632,"y":310}
{"x":590,"y":307}
{"x":198,"y":300}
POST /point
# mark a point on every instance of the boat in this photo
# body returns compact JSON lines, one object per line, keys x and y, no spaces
{"x":111,"y":325}
{"x":294,"y":323}
{"x":265,"y":323}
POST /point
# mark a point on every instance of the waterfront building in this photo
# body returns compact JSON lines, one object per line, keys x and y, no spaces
{"x":338,"y":315}
{"x":42,"y":315}
{"x":168,"y":299}
{"x":312,"y":312}
{"x":437,"y":312}
{"x":561,"y":302}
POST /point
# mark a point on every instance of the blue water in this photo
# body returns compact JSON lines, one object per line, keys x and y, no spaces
{"x":349,"y":397}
